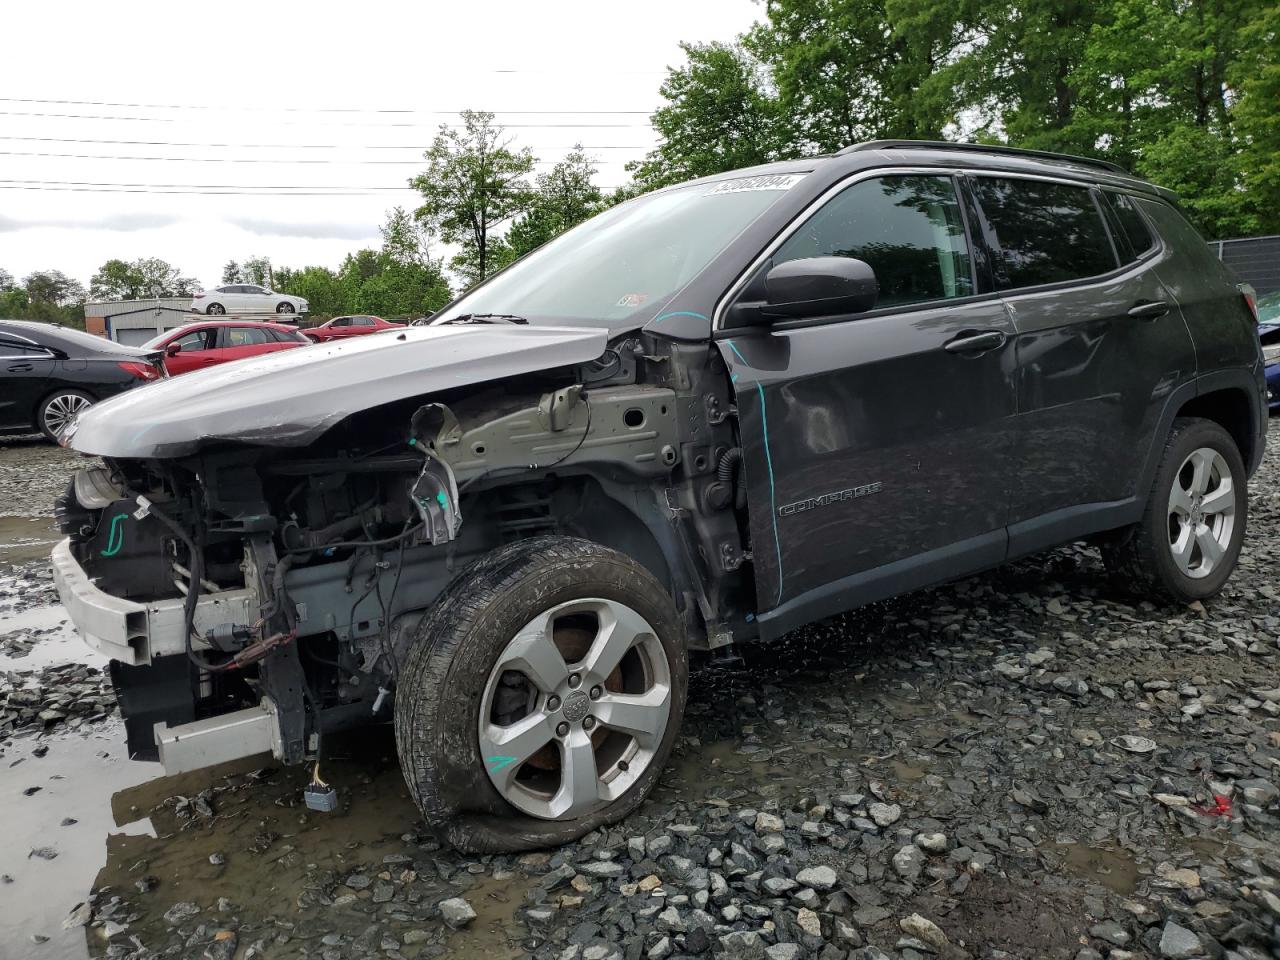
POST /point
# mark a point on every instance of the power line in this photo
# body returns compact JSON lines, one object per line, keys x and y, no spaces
{"x":295,"y":123}
{"x":199,"y":186}
{"x":254,"y":109}
{"x":277,"y":146}
{"x":213,"y":193}
{"x":267,"y":160}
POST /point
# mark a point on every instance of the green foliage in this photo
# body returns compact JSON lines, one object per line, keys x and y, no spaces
{"x":1184,"y":92}
{"x":231,"y":273}
{"x":719,"y":116}
{"x":142,"y":279}
{"x":48,"y":295}
{"x":564,"y":196}
{"x":6,"y":280}
{"x":474,"y":182}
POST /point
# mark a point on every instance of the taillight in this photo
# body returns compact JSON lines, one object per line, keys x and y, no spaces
{"x":143,"y":371}
{"x":1250,"y":298}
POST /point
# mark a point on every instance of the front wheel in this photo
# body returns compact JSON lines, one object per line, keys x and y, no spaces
{"x":541,"y":697}
{"x":285,"y":307}
{"x":1187,"y":543}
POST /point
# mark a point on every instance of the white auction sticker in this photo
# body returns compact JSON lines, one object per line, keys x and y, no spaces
{"x":773,"y":181}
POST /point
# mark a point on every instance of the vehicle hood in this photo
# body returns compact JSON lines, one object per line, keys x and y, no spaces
{"x":289,"y":398}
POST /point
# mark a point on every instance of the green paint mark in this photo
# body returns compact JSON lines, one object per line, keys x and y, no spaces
{"x":442,"y":500}
{"x":498,"y":763}
{"x":115,"y":536}
{"x":413,"y":442}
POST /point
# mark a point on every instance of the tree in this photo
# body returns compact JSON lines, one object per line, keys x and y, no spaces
{"x":719,"y":115}
{"x":6,"y":280}
{"x":53,"y":287}
{"x":231,"y":273}
{"x":565,"y":196}
{"x":147,"y":278}
{"x":474,"y":182}
{"x":257,"y":270}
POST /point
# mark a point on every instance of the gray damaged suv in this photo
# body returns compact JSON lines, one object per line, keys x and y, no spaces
{"x":709,"y":415}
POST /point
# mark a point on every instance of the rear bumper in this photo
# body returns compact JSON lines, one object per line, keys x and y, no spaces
{"x":134,"y":632}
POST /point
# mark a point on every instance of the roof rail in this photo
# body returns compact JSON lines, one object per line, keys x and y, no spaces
{"x":981,"y":148}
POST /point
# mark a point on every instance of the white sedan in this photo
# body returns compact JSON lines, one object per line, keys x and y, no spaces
{"x":245,"y":298}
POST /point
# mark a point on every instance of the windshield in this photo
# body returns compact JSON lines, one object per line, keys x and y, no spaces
{"x":156,"y":342}
{"x":1269,"y":308}
{"x":625,"y":264}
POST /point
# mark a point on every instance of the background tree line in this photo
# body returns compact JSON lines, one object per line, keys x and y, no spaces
{"x":1183,"y":92}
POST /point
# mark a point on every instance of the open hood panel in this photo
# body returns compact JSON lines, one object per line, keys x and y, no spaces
{"x":289,"y":398}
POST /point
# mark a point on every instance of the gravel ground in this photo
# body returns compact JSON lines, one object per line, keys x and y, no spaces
{"x":1029,"y":763}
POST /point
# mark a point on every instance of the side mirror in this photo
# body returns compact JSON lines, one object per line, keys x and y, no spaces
{"x":173,"y":349}
{"x":819,"y":287}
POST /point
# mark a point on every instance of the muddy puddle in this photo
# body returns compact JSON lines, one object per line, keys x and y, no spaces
{"x":48,"y":638}
{"x":25,"y":539}
{"x":1115,"y":869}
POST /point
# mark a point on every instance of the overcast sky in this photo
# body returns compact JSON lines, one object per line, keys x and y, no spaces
{"x":323,"y":98}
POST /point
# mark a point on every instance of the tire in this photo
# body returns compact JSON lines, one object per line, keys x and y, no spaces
{"x":452,"y":678}
{"x":215,"y":310}
{"x":59,"y":408}
{"x":285,"y":307}
{"x":1187,"y":551}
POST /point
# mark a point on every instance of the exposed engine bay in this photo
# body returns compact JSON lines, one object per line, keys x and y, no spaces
{"x":295,"y":576}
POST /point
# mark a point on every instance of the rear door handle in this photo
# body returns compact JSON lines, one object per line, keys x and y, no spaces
{"x":1152,"y":310}
{"x":20,"y":367}
{"x":975,"y":342}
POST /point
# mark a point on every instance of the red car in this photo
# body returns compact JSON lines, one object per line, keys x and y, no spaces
{"x":339,"y":328}
{"x":206,"y":344}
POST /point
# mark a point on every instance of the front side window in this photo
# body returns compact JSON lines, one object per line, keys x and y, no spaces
{"x":909,"y":229}
{"x":197,"y":340}
{"x":1045,"y":232}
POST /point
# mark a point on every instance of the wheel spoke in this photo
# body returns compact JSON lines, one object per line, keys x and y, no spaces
{"x":1179,"y":501}
{"x":504,"y":749}
{"x":1221,"y":500}
{"x":620,"y":629}
{"x":1182,"y":547}
{"x":580,"y":780}
{"x":534,"y":654}
{"x":643,"y":716}
{"x":1210,"y":549}
{"x":1201,"y":470}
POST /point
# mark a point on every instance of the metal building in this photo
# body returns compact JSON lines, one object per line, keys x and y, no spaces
{"x":134,"y":322}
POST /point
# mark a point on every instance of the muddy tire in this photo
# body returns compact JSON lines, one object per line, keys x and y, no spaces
{"x":541,"y":696}
{"x":1187,"y":543}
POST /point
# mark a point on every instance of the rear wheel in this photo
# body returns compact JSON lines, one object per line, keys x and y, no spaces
{"x":59,"y":409}
{"x":215,"y":310}
{"x":541,"y":697}
{"x":285,"y":307}
{"x":1187,"y":543}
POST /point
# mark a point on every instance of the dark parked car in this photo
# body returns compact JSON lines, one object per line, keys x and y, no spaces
{"x":194,"y":346}
{"x":1269,"y":334}
{"x":709,"y":415}
{"x":49,"y":374}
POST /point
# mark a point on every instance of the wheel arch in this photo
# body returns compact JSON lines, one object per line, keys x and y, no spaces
{"x":1230,"y":408}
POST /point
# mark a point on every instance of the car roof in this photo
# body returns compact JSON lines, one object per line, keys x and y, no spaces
{"x":67,"y":339}
{"x":935,"y":153}
{"x":233,"y":323}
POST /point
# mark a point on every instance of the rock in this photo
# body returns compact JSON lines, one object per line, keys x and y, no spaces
{"x":808,"y":921}
{"x":784,"y":951}
{"x":932,"y":842}
{"x":1134,"y":744}
{"x":217,"y":859}
{"x":180,"y":911}
{"x":1111,"y":932}
{"x":768,"y":823}
{"x":819,"y":878}
{"x":742,"y":945}
{"x":602,"y":868}
{"x":908,"y":862}
{"x":660,"y":950}
{"x":885,"y":814}
{"x":223,"y":946}
{"x":1178,"y":943}
{"x":456,"y":912}
{"x":79,"y":915}
{"x":923,"y":929}
{"x":1259,"y":792}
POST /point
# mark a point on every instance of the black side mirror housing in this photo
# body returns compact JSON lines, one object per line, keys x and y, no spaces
{"x":819,"y":287}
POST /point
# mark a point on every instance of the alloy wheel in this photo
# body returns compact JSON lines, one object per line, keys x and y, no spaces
{"x":1202,"y":512}
{"x":62,"y":409}
{"x":575,"y":709}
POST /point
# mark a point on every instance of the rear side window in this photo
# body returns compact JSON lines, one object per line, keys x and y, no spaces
{"x":1045,"y":232}
{"x":1133,"y":236}
{"x":362,"y":322}
{"x":909,"y":229}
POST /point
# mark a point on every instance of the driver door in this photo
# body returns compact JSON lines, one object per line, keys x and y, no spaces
{"x":876,"y":445}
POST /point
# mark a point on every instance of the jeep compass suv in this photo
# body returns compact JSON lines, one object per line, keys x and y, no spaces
{"x":709,"y":415}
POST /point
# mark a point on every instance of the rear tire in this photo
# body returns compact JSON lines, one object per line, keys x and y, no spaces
{"x":1187,"y":543}
{"x":59,"y":409}
{"x":570,"y":606}
{"x":215,"y":310}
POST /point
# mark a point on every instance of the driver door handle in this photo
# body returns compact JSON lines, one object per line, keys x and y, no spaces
{"x":20,"y":367}
{"x":976,"y":342}
{"x":1150,"y":310}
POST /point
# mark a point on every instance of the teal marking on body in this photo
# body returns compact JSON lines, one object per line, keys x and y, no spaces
{"x":442,"y":500}
{"x":680,"y":313}
{"x":115,"y":536}
{"x":498,"y":763}
{"x":768,"y":460}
